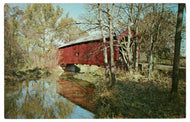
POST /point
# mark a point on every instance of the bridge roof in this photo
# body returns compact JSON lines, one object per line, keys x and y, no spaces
{"x":83,"y":40}
{"x":95,"y":37}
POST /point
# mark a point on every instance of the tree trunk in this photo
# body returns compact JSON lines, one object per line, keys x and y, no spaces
{"x":105,"y":46}
{"x":43,"y":63}
{"x":112,"y":67}
{"x":151,"y":57}
{"x":129,"y":49}
{"x":152,"y":40}
{"x":175,"y":77}
{"x":135,"y":56}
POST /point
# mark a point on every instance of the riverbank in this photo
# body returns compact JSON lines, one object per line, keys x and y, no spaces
{"x":134,"y":96}
{"x":137,"y":97}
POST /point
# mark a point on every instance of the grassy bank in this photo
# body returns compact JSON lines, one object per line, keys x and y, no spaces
{"x":134,"y":96}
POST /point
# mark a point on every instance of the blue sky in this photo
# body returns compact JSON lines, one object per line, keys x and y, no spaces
{"x":74,"y":9}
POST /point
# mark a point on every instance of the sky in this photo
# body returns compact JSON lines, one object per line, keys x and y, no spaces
{"x":74,"y":9}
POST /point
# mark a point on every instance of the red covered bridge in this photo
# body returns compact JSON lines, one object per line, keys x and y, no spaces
{"x":87,"y":50}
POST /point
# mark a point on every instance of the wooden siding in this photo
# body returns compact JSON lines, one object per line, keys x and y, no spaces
{"x":90,"y":53}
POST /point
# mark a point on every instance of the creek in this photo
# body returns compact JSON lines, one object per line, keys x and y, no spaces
{"x":62,"y":97}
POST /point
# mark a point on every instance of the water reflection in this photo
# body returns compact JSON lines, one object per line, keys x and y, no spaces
{"x":78,"y":91}
{"x":39,"y":99}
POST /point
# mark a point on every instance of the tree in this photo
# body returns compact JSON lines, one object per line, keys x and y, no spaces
{"x":155,"y":34}
{"x":68,"y":30}
{"x":43,"y":26}
{"x":156,"y":28}
{"x":175,"y":76}
{"x":100,"y":16}
{"x":129,"y":50}
{"x":14,"y":55}
{"x":136,"y":47}
{"x":38,"y":29}
{"x":152,"y":41}
{"x":105,"y":45}
{"x":112,"y":64}
{"x":128,"y":17}
{"x":31,"y":35}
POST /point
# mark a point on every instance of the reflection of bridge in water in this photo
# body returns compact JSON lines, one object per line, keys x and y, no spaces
{"x":78,"y":91}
